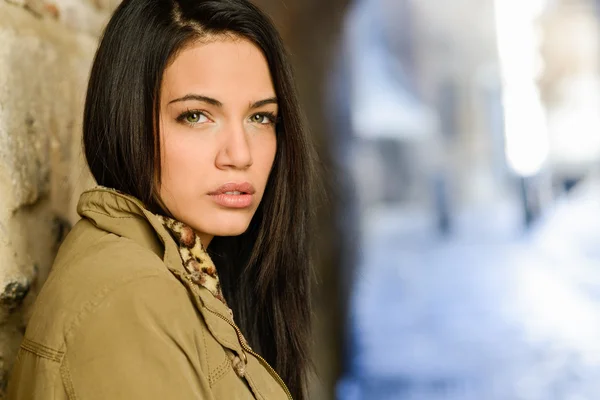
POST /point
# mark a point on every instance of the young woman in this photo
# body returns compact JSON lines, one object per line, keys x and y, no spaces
{"x":188,"y":275}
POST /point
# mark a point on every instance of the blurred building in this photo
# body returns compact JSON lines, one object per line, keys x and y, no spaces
{"x":489,"y":311}
{"x":427,"y":103}
{"x":457,"y":60}
{"x":570,"y":87}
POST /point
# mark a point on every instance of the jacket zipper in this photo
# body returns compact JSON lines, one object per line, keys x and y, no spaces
{"x":242,"y":341}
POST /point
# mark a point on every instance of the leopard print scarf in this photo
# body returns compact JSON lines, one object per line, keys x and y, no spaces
{"x":202,"y":271}
{"x":196,"y":260}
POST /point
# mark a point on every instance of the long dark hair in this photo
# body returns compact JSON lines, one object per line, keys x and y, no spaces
{"x":266,"y":271}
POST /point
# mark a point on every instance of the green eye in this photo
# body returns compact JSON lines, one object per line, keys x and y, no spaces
{"x":263,"y":118}
{"x":193,"y":118}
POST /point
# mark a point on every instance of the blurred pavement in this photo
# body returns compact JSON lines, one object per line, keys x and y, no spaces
{"x":491,"y":313}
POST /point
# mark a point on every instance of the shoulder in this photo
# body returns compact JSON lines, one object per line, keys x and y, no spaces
{"x":138,"y":339}
{"x":93,"y":268}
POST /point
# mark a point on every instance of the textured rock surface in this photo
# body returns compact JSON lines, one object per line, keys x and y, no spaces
{"x":44,"y":66}
{"x":88,"y":16}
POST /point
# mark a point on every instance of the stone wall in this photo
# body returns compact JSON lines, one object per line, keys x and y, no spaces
{"x":46,"y":49}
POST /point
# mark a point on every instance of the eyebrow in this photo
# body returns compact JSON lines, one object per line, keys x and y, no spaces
{"x":217,"y":103}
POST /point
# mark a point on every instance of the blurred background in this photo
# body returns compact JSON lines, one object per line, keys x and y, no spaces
{"x":475,"y":154}
{"x":459,"y":251}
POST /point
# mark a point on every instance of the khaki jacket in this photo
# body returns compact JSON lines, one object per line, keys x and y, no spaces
{"x":118,"y":318}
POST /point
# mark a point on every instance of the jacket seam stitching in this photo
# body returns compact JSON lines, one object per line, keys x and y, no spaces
{"x":40,"y":350}
{"x":108,"y":215}
{"x":67,"y":381}
{"x":206,"y":355}
{"x":115,"y":193}
{"x":42,"y":346}
{"x":219,"y":372}
{"x":91,"y":305}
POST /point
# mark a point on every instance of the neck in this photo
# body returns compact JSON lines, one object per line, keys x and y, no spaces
{"x":205,"y":239}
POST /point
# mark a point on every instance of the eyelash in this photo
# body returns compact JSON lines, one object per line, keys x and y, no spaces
{"x":182,"y":118}
{"x":270,"y":115}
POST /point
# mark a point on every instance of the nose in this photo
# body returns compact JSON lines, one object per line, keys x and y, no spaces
{"x":235,"y":150}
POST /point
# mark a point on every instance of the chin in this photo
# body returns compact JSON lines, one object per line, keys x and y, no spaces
{"x":228,"y":225}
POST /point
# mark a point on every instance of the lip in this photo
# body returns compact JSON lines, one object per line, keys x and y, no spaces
{"x":237,"y":201}
{"x":245,"y":188}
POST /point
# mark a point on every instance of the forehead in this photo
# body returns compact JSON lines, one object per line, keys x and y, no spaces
{"x":225,"y":68}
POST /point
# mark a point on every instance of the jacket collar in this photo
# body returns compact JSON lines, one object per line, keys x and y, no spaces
{"x":126,"y":216}
{"x":196,"y":260}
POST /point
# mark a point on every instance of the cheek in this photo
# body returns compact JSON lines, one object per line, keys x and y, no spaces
{"x":263,"y":148}
{"x":267,"y":150}
{"x":171,"y":159}
{"x":181,"y":157}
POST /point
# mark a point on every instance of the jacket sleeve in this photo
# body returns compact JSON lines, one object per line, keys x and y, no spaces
{"x":138,"y":343}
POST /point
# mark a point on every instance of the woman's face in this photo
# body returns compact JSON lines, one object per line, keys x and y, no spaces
{"x":217,"y":130}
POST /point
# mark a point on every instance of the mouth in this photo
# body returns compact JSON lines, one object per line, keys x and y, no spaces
{"x":234,"y":189}
{"x":234,"y":195}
